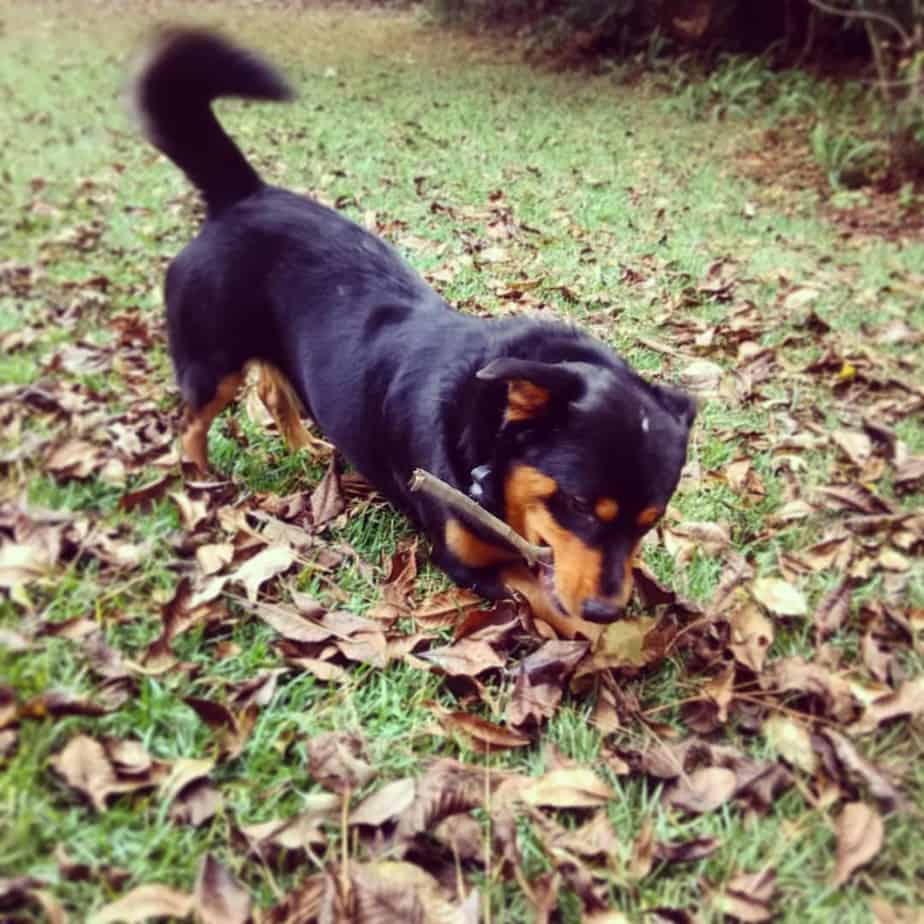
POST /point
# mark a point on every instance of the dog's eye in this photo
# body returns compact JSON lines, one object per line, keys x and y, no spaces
{"x":580,"y":505}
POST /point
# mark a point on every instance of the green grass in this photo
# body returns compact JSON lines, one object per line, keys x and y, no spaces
{"x":613,"y":179}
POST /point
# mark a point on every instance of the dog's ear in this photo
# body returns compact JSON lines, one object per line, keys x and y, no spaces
{"x":531,"y":386}
{"x":677,"y":403}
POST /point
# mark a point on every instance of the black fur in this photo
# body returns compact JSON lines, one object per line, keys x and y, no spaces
{"x":392,"y":375}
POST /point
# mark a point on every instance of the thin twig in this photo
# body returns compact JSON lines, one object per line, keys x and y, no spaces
{"x":864,"y":14}
{"x":446,"y":494}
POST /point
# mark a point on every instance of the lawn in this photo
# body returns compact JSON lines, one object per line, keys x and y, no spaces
{"x":204,"y":684}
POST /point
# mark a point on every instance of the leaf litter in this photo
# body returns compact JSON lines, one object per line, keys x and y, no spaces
{"x":827,"y":546}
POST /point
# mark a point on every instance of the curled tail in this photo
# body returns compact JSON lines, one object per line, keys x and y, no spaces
{"x":183,"y":71}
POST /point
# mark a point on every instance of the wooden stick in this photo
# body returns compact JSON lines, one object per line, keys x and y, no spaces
{"x":446,"y":494}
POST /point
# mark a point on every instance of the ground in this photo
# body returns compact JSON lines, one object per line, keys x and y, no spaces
{"x":183,"y":661}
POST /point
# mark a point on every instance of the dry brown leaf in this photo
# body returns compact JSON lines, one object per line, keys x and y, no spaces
{"x":859,"y":836}
{"x":792,"y":741}
{"x":622,"y":645}
{"x":289,"y":623}
{"x":327,"y":501}
{"x":720,"y":691}
{"x":22,"y":563}
{"x":703,"y":790}
{"x":842,"y":759}
{"x":746,"y":897}
{"x":751,"y":636}
{"x":687,"y":851}
{"x":212,"y":557}
{"x":272,"y":561}
{"x":855,"y":444}
{"x":196,"y":803}
{"x":466,"y":658}
{"x":85,"y":765}
{"x":884,"y":913}
{"x":386,"y":803}
{"x":192,"y":512}
{"x":145,"y":495}
{"x":448,"y":787}
{"x":907,"y":700}
{"x":390,"y":891}
{"x":779,"y":596}
{"x":570,"y":787}
{"x":74,"y":458}
{"x":144,"y":903}
{"x":295,"y":833}
{"x":337,"y":761}
{"x":219,"y":898}
{"x":185,"y":770}
{"x":485,"y":735}
{"x":832,"y":612}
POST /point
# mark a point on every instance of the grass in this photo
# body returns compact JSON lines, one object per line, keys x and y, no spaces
{"x":390,"y":120}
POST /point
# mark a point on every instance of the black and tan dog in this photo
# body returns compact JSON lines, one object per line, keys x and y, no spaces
{"x":544,"y":425}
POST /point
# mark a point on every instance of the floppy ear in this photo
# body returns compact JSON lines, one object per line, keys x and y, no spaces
{"x":677,"y":403}
{"x":531,"y":386}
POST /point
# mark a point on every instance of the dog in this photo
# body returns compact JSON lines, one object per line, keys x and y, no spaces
{"x":544,"y":425}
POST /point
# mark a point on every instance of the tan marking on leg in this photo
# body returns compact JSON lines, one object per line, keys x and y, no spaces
{"x":195,"y":436}
{"x":649,"y":516}
{"x":472,"y":550}
{"x":285,"y":407}
{"x":520,"y":579}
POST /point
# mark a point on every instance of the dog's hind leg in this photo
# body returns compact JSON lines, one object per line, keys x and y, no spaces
{"x":279,"y":397}
{"x":194,"y":439}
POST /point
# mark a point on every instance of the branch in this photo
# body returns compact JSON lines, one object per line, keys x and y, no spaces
{"x":864,"y":14}
{"x":446,"y":494}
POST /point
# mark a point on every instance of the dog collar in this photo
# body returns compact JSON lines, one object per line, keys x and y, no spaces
{"x":482,"y":487}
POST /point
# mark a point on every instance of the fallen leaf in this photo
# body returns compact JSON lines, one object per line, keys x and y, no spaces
{"x":466,"y":658}
{"x":327,"y":501}
{"x":272,"y":561}
{"x":212,"y":557}
{"x":907,"y":700}
{"x":832,"y":612}
{"x":571,"y":787}
{"x":855,"y":444}
{"x":751,"y":636}
{"x":843,"y":761}
{"x":486,"y":735}
{"x":701,"y":791}
{"x":746,"y":897}
{"x":386,"y":803}
{"x":85,"y":765}
{"x":792,"y":741}
{"x":144,"y":903}
{"x":192,"y":512}
{"x":219,"y":898}
{"x":859,"y":837}
{"x":336,"y":761}
{"x":779,"y":596}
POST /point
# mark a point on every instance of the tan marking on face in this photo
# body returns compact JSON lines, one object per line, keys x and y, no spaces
{"x":648,"y":516}
{"x":472,"y":550}
{"x":606,"y":509}
{"x":524,"y":399}
{"x":520,"y":579}
{"x":627,"y":579}
{"x":195,"y":436}
{"x":578,"y":567}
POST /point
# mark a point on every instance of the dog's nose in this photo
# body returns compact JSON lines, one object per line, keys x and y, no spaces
{"x":595,"y":611}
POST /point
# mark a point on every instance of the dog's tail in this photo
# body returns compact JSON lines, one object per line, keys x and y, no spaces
{"x":178,"y":77}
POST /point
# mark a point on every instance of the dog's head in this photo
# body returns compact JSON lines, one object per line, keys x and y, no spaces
{"x":590,"y":455}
